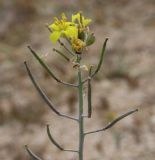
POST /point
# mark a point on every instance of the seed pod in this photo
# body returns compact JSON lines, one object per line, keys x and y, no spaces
{"x":89,"y":94}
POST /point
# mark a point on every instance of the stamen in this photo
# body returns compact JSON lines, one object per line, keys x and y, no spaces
{"x":64,"y":18}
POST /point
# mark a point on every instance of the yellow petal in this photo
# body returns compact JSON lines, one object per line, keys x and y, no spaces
{"x":71,"y":32}
{"x":86,"y":22}
{"x":76,"y":17}
{"x":69,"y":24}
{"x":55,"y":36}
{"x":54,"y":27}
{"x":64,"y":18}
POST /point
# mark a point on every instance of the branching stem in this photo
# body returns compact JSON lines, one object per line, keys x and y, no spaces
{"x":81,"y":118}
{"x":46,"y":67}
{"x":79,"y":86}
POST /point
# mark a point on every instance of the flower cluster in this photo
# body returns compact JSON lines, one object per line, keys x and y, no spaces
{"x":75,"y":31}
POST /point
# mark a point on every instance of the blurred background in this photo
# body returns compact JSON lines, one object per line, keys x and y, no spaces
{"x":126,"y":80}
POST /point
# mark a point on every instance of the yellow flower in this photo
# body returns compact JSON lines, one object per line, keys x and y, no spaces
{"x":80,"y":19}
{"x":78,"y":45}
{"x":63,"y":28}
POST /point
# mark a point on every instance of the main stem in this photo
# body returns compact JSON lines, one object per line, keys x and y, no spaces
{"x":81,"y":119}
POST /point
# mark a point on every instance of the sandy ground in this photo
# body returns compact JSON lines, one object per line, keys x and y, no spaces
{"x":125,"y":82}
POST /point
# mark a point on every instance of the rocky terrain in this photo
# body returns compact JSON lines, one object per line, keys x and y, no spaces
{"x":125,"y":82}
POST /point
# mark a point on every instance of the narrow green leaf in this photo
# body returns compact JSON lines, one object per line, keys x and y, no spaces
{"x":52,"y":139}
{"x":31,"y":154}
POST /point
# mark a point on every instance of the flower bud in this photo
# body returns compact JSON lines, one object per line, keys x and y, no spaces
{"x":90,"y":39}
{"x":78,"y":45}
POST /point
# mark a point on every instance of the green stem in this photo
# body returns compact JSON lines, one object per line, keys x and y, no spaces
{"x":81,"y":119}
